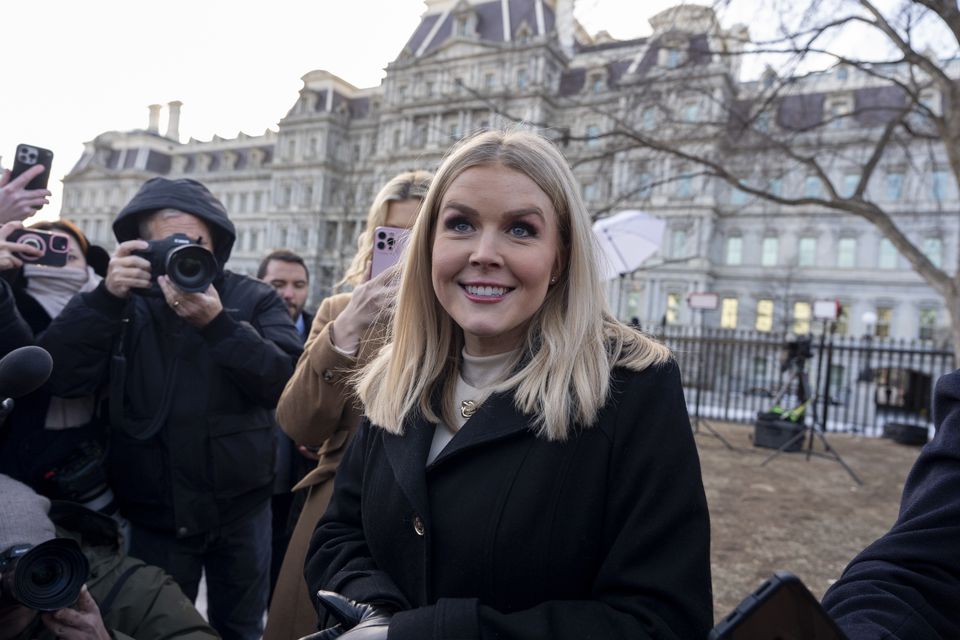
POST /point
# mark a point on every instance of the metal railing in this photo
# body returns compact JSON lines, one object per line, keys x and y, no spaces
{"x":732,"y":375}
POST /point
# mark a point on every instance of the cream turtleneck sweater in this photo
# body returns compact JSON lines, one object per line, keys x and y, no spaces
{"x":477,"y":375}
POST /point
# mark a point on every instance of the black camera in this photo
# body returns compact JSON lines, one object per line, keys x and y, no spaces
{"x":46,"y":577}
{"x":796,"y":350}
{"x":188,"y":265}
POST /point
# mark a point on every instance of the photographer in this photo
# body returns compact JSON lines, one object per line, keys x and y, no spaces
{"x":17,"y":202}
{"x":121,"y":598}
{"x":193,"y":379}
{"x":43,"y":430}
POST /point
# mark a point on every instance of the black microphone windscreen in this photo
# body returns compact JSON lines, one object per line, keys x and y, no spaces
{"x":24,"y":370}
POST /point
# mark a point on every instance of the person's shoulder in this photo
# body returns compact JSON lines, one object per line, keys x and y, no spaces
{"x":666,"y":372}
{"x":245,"y":285}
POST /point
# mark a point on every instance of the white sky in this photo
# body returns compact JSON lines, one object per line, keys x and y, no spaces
{"x":76,"y":69}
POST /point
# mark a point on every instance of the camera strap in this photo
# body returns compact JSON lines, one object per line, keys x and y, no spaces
{"x":107,"y":602}
{"x":140,"y":429}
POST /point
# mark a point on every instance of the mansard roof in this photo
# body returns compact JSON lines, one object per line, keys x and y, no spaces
{"x":437,"y":27}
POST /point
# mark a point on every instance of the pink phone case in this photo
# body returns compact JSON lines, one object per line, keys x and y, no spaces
{"x":388,"y":245}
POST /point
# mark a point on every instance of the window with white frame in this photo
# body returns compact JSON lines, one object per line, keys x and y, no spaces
{"x":811,"y":187}
{"x":933,"y":249}
{"x":850,"y":182}
{"x":522,"y":78}
{"x":807,"y":251}
{"x":894,"y":186}
{"x":887,"y":255}
{"x":927,"y":324}
{"x":770,"y":251}
{"x":734,"y":251}
{"x":847,"y":253}
{"x":678,"y":243}
{"x":940,"y":180}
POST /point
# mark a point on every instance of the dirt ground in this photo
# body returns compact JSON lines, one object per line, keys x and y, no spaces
{"x":805,"y":516}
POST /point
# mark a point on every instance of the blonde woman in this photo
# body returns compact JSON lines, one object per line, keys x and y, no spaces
{"x":526,"y":467}
{"x":318,"y":409}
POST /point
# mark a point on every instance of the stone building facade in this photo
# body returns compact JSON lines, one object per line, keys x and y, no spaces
{"x":474,"y":64}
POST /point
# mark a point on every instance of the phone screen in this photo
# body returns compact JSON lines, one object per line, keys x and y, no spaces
{"x":780,"y":609}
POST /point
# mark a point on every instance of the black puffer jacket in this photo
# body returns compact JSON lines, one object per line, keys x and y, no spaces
{"x":211,"y":462}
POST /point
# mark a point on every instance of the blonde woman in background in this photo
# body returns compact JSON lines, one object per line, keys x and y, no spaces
{"x":318,"y":409}
{"x":526,"y":467}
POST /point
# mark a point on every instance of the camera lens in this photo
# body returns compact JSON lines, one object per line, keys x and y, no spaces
{"x":382,"y":235}
{"x":58,"y":243}
{"x":191,"y":267}
{"x":33,"y":241}
{"x":380,"y":245}
{"x":49,"y":576}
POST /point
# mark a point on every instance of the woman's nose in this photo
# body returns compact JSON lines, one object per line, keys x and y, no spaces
{"x":486,"y":251}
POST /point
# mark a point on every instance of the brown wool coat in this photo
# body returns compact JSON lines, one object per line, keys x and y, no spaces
{"x":317,"y":408}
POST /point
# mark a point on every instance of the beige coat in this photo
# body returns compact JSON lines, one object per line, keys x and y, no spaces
{"x":317,"y":408}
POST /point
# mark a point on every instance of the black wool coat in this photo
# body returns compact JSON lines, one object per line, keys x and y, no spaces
{"x":507,"y":535}
{"x":907,"y":584}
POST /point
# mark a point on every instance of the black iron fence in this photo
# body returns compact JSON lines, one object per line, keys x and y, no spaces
{"x":861,"y":384}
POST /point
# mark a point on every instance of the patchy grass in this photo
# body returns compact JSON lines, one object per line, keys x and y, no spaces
{"x":804,"y":516}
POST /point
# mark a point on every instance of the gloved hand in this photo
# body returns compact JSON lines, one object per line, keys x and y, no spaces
{"x":355,"y":620}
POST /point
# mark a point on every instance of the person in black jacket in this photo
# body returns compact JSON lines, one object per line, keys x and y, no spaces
{"x":526,"y":466}
{"x":193,"y":379}
{"x":906,"y":585}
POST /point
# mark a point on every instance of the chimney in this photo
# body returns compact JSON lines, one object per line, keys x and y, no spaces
{"x":173,"y":121}
{"x":565,"y":26}
{"x":154,"y":124}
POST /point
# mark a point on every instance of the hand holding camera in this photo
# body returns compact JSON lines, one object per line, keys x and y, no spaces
{"x":127,"y":271}
{"x":81,"y":622}
{"x":197,"y":308}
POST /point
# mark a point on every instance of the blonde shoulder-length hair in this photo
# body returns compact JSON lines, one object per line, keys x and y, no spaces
{"x":561,"y":377}
{"x":409,"y":185}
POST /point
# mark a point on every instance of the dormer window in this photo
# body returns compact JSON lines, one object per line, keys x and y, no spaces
{"x":838,"y":112}
{"x":461,"y":26}
{"x":842,"y":73}
{"x":597,"y":83}
{"x":464,"y":21}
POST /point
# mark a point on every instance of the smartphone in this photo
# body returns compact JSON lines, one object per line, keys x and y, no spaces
{"x":53,"y":245}
{"x":388,"y":245}
{"x":28,"y":156}
{"x":782,"y":608}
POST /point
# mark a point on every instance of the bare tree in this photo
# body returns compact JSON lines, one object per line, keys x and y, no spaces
{"x":902,"y":110}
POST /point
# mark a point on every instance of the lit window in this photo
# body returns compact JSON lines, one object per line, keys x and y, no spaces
{"x":734,"y":250}
{"x":894,"y":186}
{"x":888,"y":255}
{"x":847,"y":253}
{"x":933,"y":249}
{"x":764,"y":315}
{"x":770,"y":251}
{"x":728,"y":313}
{"x":801,"y":318}
{"x":678,"y":243}
{"x":843,"y":320}
{"x":807,"y":251}
{"x":884,"y":320}
{"x":673,"y":308}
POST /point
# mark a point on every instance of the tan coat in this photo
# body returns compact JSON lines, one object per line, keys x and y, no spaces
{"x":317,"y":408}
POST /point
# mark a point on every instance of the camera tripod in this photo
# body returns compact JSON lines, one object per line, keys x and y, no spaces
{"x":698,"y":420}
{"x":811,"y":429}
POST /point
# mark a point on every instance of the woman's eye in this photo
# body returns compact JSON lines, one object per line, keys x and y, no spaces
{"x":522,"y":230}
{"x":459,"y":225}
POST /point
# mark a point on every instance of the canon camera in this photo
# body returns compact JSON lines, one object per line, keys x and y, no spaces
{"x":46,"y":577}
{"x":186,"y":262}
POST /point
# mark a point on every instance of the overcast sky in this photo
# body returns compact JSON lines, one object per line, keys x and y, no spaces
{"x":76,"y":69}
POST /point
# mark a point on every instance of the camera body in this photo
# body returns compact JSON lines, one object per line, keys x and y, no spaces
{"x":186,"y":262}
{"x":796,"y":350}
{"x":46,"y":577}
{"x":53,"y":245}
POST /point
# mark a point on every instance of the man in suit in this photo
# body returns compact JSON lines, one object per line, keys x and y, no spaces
{"x":287,"y":273}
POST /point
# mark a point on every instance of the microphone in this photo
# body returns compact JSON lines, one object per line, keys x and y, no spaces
{"x":24,"y":370}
